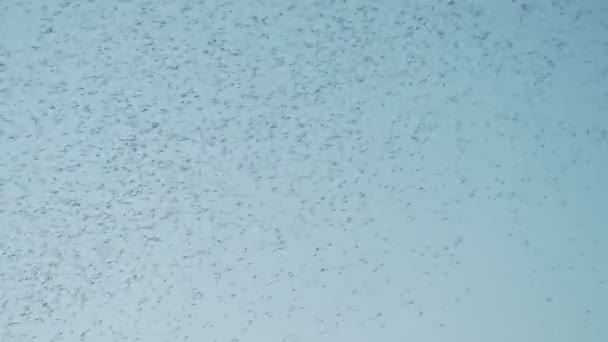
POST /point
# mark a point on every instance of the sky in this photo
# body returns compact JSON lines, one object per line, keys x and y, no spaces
{"x":303,"y":170}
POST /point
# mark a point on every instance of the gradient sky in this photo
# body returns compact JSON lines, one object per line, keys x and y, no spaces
{"x":303,"y":171}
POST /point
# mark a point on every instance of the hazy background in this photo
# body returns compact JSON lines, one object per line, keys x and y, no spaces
{"x":406,"y":170}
